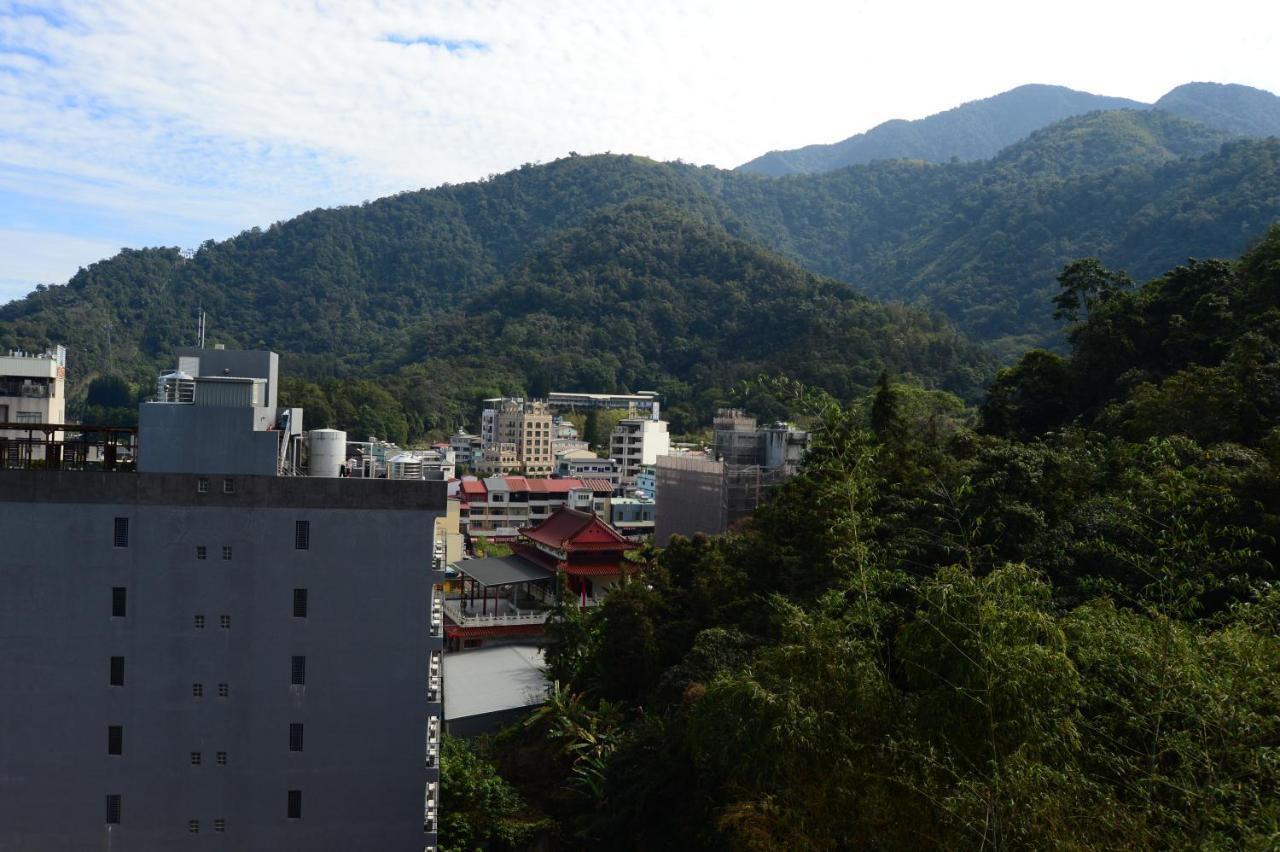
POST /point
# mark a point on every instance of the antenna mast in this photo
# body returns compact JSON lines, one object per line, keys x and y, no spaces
{"x":200,"y":328}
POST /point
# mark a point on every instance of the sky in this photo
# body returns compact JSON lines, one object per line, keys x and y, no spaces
{"x":167,"y":122}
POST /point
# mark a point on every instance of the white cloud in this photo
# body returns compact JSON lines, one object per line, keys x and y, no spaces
{"x":224,"y":115}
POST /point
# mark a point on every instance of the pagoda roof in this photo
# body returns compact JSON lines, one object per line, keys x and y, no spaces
{"x":569,"y":529}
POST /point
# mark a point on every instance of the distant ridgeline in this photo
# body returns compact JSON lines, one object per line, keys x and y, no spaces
{"x":610,"y":273}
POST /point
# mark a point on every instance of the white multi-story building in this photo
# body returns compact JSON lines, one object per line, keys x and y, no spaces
{"x":582,"y":464}
{"x":636,"y":444}
{"x":32,"y":389}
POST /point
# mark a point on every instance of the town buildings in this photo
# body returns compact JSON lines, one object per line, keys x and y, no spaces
{"x":708,"y":494}
{"x":498,"y":506}
{"x":214,"y":645}
{"x":466,"y":448}
{"x":636,"y":444}
{"x":515,"y":435}
{"x":507,"y":597}
{"x":643,"y":403}
{"x":583,"y":464}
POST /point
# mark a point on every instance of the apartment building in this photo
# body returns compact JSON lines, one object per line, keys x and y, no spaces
{"x":32,"y":389}
{"x":212,"y":646}
{"x":636,"y":444}
{"x":516,"y":436}
{"x":499,"y":506}
{"x":583,"y":464}
{"x":641,"y":404}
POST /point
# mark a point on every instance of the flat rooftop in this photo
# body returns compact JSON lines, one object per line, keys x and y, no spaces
{"x":487,"y":680}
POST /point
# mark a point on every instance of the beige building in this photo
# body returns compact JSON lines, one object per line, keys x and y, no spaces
{"x":33,"y":389}
{"x":527,"y":427}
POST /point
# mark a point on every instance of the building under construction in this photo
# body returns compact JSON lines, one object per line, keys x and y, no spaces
{"x":710,"y":494}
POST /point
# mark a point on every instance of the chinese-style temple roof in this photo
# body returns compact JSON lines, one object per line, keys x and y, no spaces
{"x":570,"y":529}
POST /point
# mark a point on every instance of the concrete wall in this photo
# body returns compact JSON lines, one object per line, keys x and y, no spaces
{"x":175,"y":438}
{"x":244,"y":363}
{"x":366,"y":641}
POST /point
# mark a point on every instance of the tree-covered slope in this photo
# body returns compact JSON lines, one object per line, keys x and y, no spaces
{"x":1234,"y":108}
{"x":348,"y":291}
{"x":971,"y":131}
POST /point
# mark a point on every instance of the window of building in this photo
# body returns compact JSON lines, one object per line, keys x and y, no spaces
{"x":220,"y":825}
{"x":202,"y":485}
{"x":200,"y":622}
{"x":295,"y":736}
{"x":202,"y":552}
{"x":195,"y":758}
{"x":197,"y":690}
{"x":299,"y":670}
{"x":115,"y":739}
{"x":117,"y":671}
{"x":295,"y":804}
{"x":299,"y":603}
{"x":221,"y":758}
{"x":113,"y":808}
{"x":121,"y":532}
{"x":228,"y":486}
{"x":193,"y":826}
{"x":119,"y":596}
{"x":226,"y":551}
{"x":225,"y":622}
{"x":28,"y":417}
{"x":224,"y":690}
{"x":301,"y":535}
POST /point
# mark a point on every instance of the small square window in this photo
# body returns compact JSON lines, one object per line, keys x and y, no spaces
{"x":202,"y":552}
{"x":200,"y":622}
{"x":301,"y":535}
{"x":202,"y":485}
{"x":224,"y":621}
{"x":119,"y":598}
{"x":228,"y":486}
{"x":221,"y":757}
{"x":195,"y":758}
{"x":197,"y":690}
{"x":226,"y":551}
{"x":295,"y":804}
{"x":224,"y":690}
{"x":219,"y":825}
{"x":299,"y":603}
{"x":115,"y":739}
{"x":113,"y":808}
{"x":193,"y":826}
{"x":295,"y":736}
{"x":121,"y":538}
{"x":117,"y":671}
{"x":299,"y":670}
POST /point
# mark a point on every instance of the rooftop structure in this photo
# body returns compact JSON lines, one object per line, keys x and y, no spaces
{"x":647,"y":403}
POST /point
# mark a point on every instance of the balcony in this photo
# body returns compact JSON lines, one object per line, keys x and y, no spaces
{"x":430,"y":807}
{"x":433,"y":742}
{"x":458,"y":616}
{"x":434,"y":679}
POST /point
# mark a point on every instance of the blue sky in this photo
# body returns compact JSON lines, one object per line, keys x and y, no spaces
{"x":161,"y":122}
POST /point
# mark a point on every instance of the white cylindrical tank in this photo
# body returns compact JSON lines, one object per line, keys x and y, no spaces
{"x":328,"y":451}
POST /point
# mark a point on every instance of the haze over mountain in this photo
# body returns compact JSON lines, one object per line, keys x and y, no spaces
{"x":979,"y":129}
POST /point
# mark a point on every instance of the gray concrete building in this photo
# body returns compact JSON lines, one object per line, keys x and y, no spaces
{"x":211,"y":652}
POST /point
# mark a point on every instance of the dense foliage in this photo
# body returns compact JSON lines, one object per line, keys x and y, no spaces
{"x":1053,"y":633}
{"x":1231,"y":107}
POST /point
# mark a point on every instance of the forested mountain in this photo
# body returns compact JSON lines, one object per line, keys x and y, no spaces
{"x":971,"y":131}
{"x":1061,"y":631}
{"x":372,"y":290}
{"x":979,"y":129}
{"x":1242,"y":110}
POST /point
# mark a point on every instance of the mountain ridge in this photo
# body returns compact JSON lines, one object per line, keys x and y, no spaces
{"x":979,"y":129}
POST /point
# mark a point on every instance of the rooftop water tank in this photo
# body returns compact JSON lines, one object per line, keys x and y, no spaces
{"x":328,"y":451}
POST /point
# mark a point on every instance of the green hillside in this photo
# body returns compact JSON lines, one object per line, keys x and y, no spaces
{"x":372,"y":290}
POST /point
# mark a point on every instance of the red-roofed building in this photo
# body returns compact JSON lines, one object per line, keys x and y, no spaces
{"x":506,"y":596}
{"x":498,"y":506}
